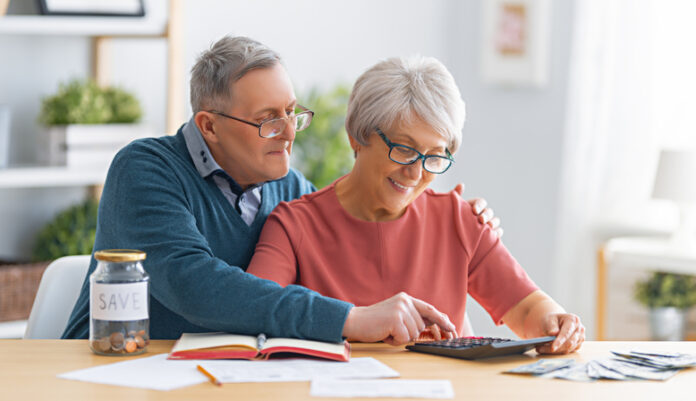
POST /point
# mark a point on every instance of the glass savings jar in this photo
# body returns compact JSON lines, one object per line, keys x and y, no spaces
{"x":119,"y":303}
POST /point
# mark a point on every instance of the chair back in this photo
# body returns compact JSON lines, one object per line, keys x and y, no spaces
{"x":58,"y":291}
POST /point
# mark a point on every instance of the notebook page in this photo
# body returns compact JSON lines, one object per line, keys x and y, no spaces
{"x":189,"y":341}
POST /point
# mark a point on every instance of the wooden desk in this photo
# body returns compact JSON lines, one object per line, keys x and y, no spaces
{"x":28,"y":370}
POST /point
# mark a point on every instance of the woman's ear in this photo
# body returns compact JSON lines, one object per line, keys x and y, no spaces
{"x":354,"y":145}
{"x":206,"y":124}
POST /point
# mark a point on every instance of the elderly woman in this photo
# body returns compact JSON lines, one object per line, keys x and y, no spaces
{"x":379,"y":230}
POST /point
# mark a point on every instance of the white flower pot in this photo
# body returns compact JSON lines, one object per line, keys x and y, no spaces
{"x":668,"y":324}
{"x":88,"y":145}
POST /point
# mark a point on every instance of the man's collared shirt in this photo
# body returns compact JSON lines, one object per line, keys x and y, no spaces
{"x":245,"y":202}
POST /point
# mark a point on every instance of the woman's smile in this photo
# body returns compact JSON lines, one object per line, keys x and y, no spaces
{"x":399,"y":187}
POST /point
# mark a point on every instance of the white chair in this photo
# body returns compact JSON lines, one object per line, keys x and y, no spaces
{"x":58,"y":291}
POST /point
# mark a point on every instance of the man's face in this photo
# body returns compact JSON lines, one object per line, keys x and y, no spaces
{"x":260,"y":95}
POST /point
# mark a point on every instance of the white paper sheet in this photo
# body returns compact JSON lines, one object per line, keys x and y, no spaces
{"x":289,"y":370}
{"x":441,"y":389}
{"x":155,"y":373}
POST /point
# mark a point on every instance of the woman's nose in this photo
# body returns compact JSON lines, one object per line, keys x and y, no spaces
{"x":414,"y":170}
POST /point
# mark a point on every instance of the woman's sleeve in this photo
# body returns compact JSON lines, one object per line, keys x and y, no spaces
{"x":495,"y":279}
{"x":274,"y":257}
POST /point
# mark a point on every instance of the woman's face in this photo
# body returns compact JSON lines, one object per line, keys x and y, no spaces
{"x":390,"y":186}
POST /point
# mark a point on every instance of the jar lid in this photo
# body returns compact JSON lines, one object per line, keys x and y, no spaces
{"x":120,"y":255}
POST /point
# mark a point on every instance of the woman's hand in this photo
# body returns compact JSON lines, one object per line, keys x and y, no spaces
{"x":569,"y":332}
{"x":537,"y":315}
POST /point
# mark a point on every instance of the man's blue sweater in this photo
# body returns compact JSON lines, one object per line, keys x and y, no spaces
{"x":197,"y":249}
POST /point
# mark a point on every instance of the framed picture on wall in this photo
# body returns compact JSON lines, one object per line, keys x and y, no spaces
{"x":125,"y":8}
{"x":515,"y":42}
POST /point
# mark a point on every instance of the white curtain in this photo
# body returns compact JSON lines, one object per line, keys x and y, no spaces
{"x":609,"y":144}
{"x":632,"y":90}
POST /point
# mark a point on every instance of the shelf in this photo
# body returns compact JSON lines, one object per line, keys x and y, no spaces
{"x":154,"y":23}
{"x":42,"y":177}
{"x":92,"y":26}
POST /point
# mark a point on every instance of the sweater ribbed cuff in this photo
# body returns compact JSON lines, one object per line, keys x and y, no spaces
{"x":330,"y":317}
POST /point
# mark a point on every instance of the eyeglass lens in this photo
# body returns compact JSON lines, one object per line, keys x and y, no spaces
{"x":404,"y":155}
{"x":276,"y":126}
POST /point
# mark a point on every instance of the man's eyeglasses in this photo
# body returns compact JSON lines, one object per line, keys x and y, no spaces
{"x":406,"y":155}
{"x":274,"y":127}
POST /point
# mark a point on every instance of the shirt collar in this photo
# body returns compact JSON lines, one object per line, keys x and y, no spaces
{"x":198,"y":150}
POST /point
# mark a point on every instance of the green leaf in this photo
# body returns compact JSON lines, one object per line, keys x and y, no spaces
{"x":322,"y":151}
{"x":84,"y":102}
{"x":71,"y":232}
{"x":667,"y":289}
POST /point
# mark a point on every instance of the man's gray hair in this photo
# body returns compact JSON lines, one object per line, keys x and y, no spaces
{"x":227,"y":61}
{"x":399,"y":89}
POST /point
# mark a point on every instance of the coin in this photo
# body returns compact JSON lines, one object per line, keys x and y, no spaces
{"x":131,"y":346}
{"x":117,"y":341}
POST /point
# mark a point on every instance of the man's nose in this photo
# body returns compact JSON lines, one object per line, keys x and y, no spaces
{"x":288,"y":133}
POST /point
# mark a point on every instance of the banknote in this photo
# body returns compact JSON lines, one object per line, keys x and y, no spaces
{"x":576,"y":372}
{"x":622,"y":365}
{"x":596,"y":370}
{"x":542,"y":366}
{"x":660,"y":360}
{"x":636,"y":371}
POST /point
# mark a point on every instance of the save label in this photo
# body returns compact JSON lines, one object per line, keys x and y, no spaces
{"x":118,"y":302}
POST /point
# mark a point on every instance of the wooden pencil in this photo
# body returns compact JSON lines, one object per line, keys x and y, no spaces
{"x":207,"y":374}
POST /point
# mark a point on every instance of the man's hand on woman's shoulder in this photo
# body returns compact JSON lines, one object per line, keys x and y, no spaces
{"x":485,"y":214}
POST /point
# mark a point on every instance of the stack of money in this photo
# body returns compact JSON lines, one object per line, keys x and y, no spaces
{"x":632,"y":365}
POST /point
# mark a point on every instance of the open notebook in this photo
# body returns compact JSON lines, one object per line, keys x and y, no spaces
{"x":234,"y":346}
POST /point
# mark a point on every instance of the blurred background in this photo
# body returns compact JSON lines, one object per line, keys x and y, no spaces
{"x":569,"y":105}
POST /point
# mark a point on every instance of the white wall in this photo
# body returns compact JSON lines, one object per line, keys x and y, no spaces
{"x":323,"y":42}
{"x":512,"y":140}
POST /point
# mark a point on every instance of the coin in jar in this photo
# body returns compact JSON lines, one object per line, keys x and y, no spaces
{"x":117,"y":341}
{"x":103,"y":344}
{"x":131,"y":346}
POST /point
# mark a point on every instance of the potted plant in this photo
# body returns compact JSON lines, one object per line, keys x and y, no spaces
{"x":322,"y":152}
{"x":71,"y":232}
{"x":669,"y":296}
{"x":87,"y":124}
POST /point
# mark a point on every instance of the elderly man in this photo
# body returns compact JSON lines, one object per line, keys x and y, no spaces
{"x":196,"y":202}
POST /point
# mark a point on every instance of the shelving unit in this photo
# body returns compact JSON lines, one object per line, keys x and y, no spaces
{"x":634,"y":255}
{"x":159,"y":22}
{"x":82,"y":26}
{"x":162,"y":22}
{"x":41,"y":177}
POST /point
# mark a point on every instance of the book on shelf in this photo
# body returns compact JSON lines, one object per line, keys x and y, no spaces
{"x":235,"y":346}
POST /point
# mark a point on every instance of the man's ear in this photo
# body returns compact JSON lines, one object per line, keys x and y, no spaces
{"x":206,"y":124}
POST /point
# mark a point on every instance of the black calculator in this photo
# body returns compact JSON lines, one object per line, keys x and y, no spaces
{"x":478,"y":347}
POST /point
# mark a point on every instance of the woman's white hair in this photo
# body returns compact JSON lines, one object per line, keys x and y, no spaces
{"x":399,"y":89}
{"x":226,"y":62}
